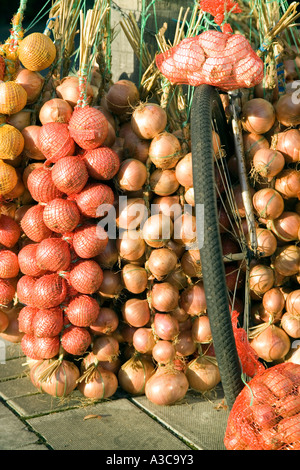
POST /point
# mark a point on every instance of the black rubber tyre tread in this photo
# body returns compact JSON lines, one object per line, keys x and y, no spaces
{"x":207,"y":104}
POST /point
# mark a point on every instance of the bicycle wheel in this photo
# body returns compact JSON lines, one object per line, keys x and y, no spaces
{"x":208,"y":117}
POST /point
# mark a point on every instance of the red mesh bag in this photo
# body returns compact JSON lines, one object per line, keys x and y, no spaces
{"x":25,"y":319}
{"x":33,"y":225}
{"x":27,"y":261}
{"x":41,"y":186}
{"x":48,"y":323}
{"x":49,"y":291}
{"x":9,"y":264}
{"x":93,"y":196}
{"x":9,"y":231}
{"x":61,"y":215}
{"x":102,"y":163}
{"x":53,"y":254}
{"x":46,"y":348}
{"x":28,"y":346}
{"x":83,"y":310}
{"x":69,"y":174}
{"x":75,"y":340}
{"x":224,"y":60}
{"x":89,"y":240}
{"x":88,"y":127}
{"x":7,"y":291}
{"x":55,"y":142}
{"x":86,"y":277}
{"x":25,"y":287}
{"x":266,"y":414}
{"x":2,"y":68}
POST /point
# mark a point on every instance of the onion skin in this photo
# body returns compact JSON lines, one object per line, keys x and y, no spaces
{"x":286,"y":227}
{"x":32,"y":82}
{"x":288,"y":110}
{"x":268,"y":203}
{"x":258,"y":116}
{"x":287,"y":183}
{"x":163,"y":352}
{"x":121,"y":97}
{"x":106,"y":323}
{"x":135,"y":278}
{"x":193,"y":300}
{"x":165,"y":150}
{"x":288,"y":143}
{"x":164,"y":297}
{"x":261,"y":279}
{"x":287,"y":261}
{"x":271,"y":344}
{"x":165,"y":326}
{"x":274,"y":301}
{"x":266,"y":242}
{"x":136,"y":312}
{"x":148,"y":120}
{"x":166,"y":386}
{"x":203,"y":374}
{"x":162,"y":262}
{"x":55,"y":110}
{"x":106,"y":348}
{"x":201,"y":330}
{"x":157,"y":230}
{"x":163,"y":182}
{"x":61,"y":383}
{"x":103,"y":384}
{"x":132,"y":175}
{"x":134,"y":375}
{"x":185,"y":345}
{"x":143,"y":340}
{"x":290,"y":323}
{"x":268,"y":162}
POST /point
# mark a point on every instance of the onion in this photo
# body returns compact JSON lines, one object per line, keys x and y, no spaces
{"x":258,"y":116}
{"x":268,"y":203}
{"x":164,"y":297}
{"x":32,"y":82}
{"x":68,"y":90}
{"x":31,"y":150}
{"x":109,"y":256}
{"x":203,"y":373}
{"x":191,"y":263}
{"x":121,"y":97}
{"x":136,"y":312}
{"x":134,"y":374}
{"x":268,"y":162}
{"x":163,"y":352}
{"x":252,"y":143}
{"x":4,"y":321}
{"x":193,"y":300}
{"x":178,"y":248}
{"x":97,"y":382}
{"x":55,"y":110}
{"x":288,"y":143}
{"x":185,"y":230}
{"x":287,"y":110}
{"x":143,"y":340}
{"x":133,"y":146}
{"x":273,"y":301}
{"x":260,"y":314}
{"x":106,"y":323}
{"x":111,"y":285}
{"x":131,"y":245}
{"x":12,"y":334}
{"x":165,"y":150}
{"x":166,"y":326}
{"x":106,"y":348}
{"x":132,"y":175}
{"x":290,"y":323}
{"x":185,"y":345}
{"x":189,"y":197}
{"x":161,"y":262}
{"x":131,"y":214}
{"x":293,"y":355}
{"x":148,"y":120}
{"x":266,"y":242}
{"x":20,"y":120}
{"x":201,"y":330}
{"x":177,"y":278}
{"x":271,"y":344}
{"x":157,"y":230}
{"x":261,"y":279}
{"x":293,"y":302}
{"x":167,"y":205}
{"x":135,"y":278}
{"x":286,"y":226}
{"x":287,"y":183}
{"x":287,"y":261}
{"x":62,"y":380}
{"x":184,"y":171}
{"x":166,"y":386}
{"x":163,"y":182}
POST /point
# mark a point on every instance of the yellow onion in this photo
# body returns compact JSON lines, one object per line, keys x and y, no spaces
{"x":32,"y":82}
{"x":55,"y":110}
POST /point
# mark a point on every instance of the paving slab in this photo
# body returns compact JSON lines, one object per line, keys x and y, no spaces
{"x":199,"y":419}
{"x":14,"y":434}
{"x":13,"y":368}
{"x":121,"y":426}
{"x":18,"y":387}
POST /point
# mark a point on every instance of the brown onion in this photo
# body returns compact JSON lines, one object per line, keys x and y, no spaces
{"x":166,"y":386}
{"x":135,"y":278}
{"x":68,"y":90}
{"x":143,"y":340}
{"x":157,"y":230}
{"x":287,"y":110}
{"x":268,"y":203}
{"x":191,"y":263}
{"x":100,"y":384}
{"x":165,"y":326}
{"x":290,"y":323}
{"x":261,"y":279}
{"x":185,"y":230}
{"x":55,"y":110}
{"x":287,"y":261}
{"x":136,"y":312}
{"x":203,"y":373}
{"x":161,"y":262}
{"x":32,"y":82}
{"x":201,"y":330}
{"x":31,"y":150}
{"x":106,"y":323}
{"x":288,"y":143}
{"x":134,"y":374}
{"x":258,"y":116}
{"x":193,"y":300}
{"x":163,"y":182}
{"x":121,"y":97}
{"x":184,"y":171}
{"x":132,"y":175}
{"x":111,"y":285}
{"x":185,"y":344}
{"x":189,"y":197}
{"x":266,"y":242}
{"x":106,"y":348}
{"x":148,"y":120}
{"x":131,"y":213}
{"x":164,"y":297}
{"x":131,"y":245}
{"x":167,"y":205}
{"x":273,"y":301}
{"x":133,"y":146}
{"x":165,"y":150}
{"x":286,"y":226}
{"x":61,"y":382}
{"x":268,"y":162}
{"x":272,"y":344}
{"x":260,"y":315}
{"x":19,"y":120}
{"x":287,"y":183}
{"x":178,"y":279}
{"x":109,"y":257}
{"x":252,"y":143}
{"x":163,"y":352}
{"x":293,"y":302}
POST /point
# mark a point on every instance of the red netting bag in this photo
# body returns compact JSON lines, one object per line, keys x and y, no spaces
{"x":53,"y":254}
{"x":46,"y":348}
{"x":2,"y":68}
{"x":89,"y":240}
{"x":92,"y":197}
{"x":83,"y":310}
{"x":27,"y":261}
{"x":25,"y":287}
{"x":27,"y":346}
{"x":10,"y":231}
{"x":25,"y":319}
{"x":75,"y":340}
{"x":61,"y":215}
{"x":69,"y":174}
{"x":9,"y":264}
{"x":55,"y":142}
{"x":48,"y":323}
{"x":88,"y":127}
{"x":33,"y":225}
{"x":41,"y":186}
{"x":86,"y":276}
{"x":266,"y":414}
{"x":102,"y":163}
{"x":7,"y":291}
{"x":49,"y":291}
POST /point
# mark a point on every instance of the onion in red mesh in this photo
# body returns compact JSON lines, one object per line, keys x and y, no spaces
{"x":271,"y":344}
{"x":9,"y":264}
{"x":86,"y":276}
{"x":49,"y":291}
{"x":45,"y":347}
{"x":287,"y":183}
{"x":121,"y":97}
{"x":268,"y":203}
{"x":106,"y":322}
{"x":48,"y":323}
{"x":268,"y":162}
{"x":102,"y":163}
{"x":288,"y":143}
{"x":26,"y":317}
{"x":53,"y":254}
{"x":164,"y":296}
{"x":7,"y":291}
{"x":89,"y":240}
{"x":88,"y":127}
{"x":61,"y":215}
{"x":203,"y":373}
{"x":55,"y":110}
{"x":258,"y":116}
{"x":55,"y":142}
{"x":148,"y":120}
{"x":136,"y":312}
{"x":163,"y":352}
{"x":75,"y":340}
{"x":166,"y":326}
{"x":92,"y":196}
{"x":25,"y":288}
{"x":165,"y":150}
{"x":166,"y":386}
{"x":41,"y":186}
{"x":135,"y":278}
{"x":33,"y":224}
{"x":9,"y":231}
{"x":28,"y":262}
{"x":193,"y":300}
{"x":31,"y":149}
{"x":69,"y":174}
{"x":106,"y":348}
{"x":286,"y":226}
{"x":132,"y":175}
{"x":83,"y":310}
{"x":134,"y":374}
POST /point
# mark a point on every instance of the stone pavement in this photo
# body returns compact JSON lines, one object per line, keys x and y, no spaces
{"x":30,"y":420}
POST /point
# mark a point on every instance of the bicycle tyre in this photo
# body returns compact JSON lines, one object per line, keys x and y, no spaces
{"x":206,"y":106}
